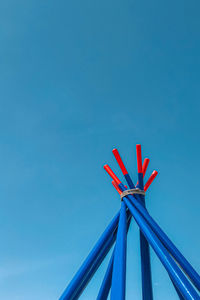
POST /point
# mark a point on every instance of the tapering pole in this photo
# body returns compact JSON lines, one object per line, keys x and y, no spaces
{"x":119,"y":263}
{"x":185,"y":265}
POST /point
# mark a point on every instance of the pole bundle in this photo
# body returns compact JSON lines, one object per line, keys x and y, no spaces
{"x":183,"y":276}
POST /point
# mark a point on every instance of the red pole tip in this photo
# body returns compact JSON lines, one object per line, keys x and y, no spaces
{"x":112,"y":174}
{"x":116,"y":187}
{"x":150,"y":180}
{"x":145,"y":165}
{"x":119,"y":161}
{"x":139,"y":158}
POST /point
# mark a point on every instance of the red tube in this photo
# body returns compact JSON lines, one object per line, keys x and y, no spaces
{"x":150,"y":180}
{"x":112,"y":174}
{"x":145,"y":165}
{"x":139,"y":158}
{"x":120,"y":162}
{"x":116,"y":187}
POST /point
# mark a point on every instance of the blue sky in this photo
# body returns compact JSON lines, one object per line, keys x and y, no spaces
{"x":78,"y":78}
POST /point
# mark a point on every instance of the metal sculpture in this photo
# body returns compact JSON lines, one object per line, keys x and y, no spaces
{"x":183,"y":276}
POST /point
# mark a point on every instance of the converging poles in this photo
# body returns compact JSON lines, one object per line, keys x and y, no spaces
{"x":183,"y":276}
{"x":106,"y":284}
{"x":144,"y":220}
{"x":147,"y":291}
{"x":188,"y":269}
{"x":76,"y":284}
{"x":185,"y":288}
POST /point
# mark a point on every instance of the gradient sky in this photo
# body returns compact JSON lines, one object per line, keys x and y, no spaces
{"x":78,"y":78}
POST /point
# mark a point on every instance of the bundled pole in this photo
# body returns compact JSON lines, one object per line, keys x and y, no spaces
{"x":181,"y":282}
{"x":106,"y":284}
{"x":187,"y":268}
{"x":181,"y":273}
{"x":147,"y":291}
{"x":119,"y":264}
{"x":145,"y":254}
{"x":144,"y":246}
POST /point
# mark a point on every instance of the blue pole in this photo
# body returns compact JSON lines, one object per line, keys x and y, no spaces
{"x":186,"y":266}
{"x":119,"y":263}
{"x":179,"y":294}
{"x":147,"y":291}
{"x":180,"y":259}
{"x":144,"y":246}
{"x":85,"y":268}
{"x":181,"y":282}
{"x":94,"y":268}
{"x":106,"y":284}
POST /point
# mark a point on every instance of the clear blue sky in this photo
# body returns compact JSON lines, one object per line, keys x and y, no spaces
{"x":78,"y":78}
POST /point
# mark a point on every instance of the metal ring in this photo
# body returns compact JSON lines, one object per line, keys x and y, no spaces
{"x":132,"y":192}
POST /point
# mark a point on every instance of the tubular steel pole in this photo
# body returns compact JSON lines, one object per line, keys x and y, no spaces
{"x":147,"y":291}
{"x":119,"y":263}
{"x":75,"y":284}
{"x":181,"y":282}
{"x":178,"y":292}
{"x":186,"y":266}
{"x":144,"y":246}
{"x":106,"y":284}
{"x":181,"y":260}
{"x":144,"y":169}
{"x":95,"y":266}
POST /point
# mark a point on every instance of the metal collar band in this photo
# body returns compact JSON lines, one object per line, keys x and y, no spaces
{"x":132,"y":192}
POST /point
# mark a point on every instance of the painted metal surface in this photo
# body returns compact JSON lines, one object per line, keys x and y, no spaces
{"x":147,"y":291}
{"x":76,"y":283}
{"x":106,"y":284}
{"x":119,"y":263}
{"x":186,"y":266}
{"x":184,"y":286}
{"x":150,"y":234}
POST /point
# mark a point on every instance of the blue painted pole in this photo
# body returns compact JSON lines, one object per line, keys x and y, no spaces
{"x":147,"y":291}
{"x":144,"y":246}
{"x":181,"y":282}
{"x":94,"y":267}
{"x":181,"y":260}
{"x":106,"y":284}
{"x":85,"y":268}
{"x":179,"y":294}
{"x":119,"y":263}
{"x":186,"y":266}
